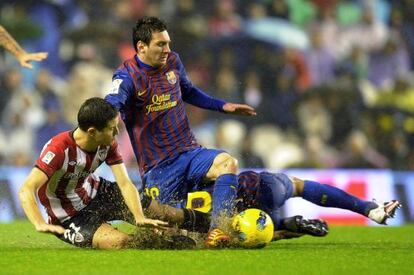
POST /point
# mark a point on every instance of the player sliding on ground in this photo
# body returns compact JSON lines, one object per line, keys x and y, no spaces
{"x":79,"y":204}
{"x":269,"y":191}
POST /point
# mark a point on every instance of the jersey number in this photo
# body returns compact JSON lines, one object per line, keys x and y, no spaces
{"x":200,"y":201}
{"x":73,"y":235}
{"x":152,"y":192}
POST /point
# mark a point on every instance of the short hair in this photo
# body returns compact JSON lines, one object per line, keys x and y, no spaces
{"x":95,"y":112}
{"x":145,"y":27}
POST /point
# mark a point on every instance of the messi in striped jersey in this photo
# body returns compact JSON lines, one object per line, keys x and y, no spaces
{"x":149,"y":90}
{"x":79,"y":204}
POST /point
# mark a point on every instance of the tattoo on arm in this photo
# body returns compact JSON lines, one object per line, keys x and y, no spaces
{"x":8,"y":42}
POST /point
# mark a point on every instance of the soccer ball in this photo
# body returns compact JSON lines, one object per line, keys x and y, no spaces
{"x":254,"y":228}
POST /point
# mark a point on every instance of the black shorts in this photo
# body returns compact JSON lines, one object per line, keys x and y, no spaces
{"x":108,"y":205}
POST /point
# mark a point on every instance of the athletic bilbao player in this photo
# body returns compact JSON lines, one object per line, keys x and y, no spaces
{"x":79,"y":203}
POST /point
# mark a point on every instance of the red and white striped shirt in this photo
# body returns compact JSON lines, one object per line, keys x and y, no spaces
{"x":72,"y":183}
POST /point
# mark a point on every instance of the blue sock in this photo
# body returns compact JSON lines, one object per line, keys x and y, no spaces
{"x":329,"y":196}
{"x":224,"y":195}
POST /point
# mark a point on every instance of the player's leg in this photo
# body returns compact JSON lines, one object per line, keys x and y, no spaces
{"x":330,"y":196}
{"x":187,"y":219}
{"x":108,"y":237}
{"x":89,"y":228}
{"x":298,"y":225}
{"x":114,"y":208}
{"x":166,"y":182}
{"x":272,"y":191}
{"x":223,"y":170}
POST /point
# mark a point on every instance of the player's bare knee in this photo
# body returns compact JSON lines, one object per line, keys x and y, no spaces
{"x":233,"y":165}
{"x":125,"y":242}
{"x":107,"y":237}
{"x":223,"y":163}
{"x":115,"y":242}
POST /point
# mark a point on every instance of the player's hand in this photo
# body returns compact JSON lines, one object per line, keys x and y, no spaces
{"x":152,"y":223}
{"x":239,"y":109}
{"x":25,"y":58}
{"x":50,"y":228}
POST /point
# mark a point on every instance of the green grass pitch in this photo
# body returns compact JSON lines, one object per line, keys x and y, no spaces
{"x":346,"y":250}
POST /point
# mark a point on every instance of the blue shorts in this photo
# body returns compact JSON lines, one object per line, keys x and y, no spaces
{"x":265,"y":191}
{"x":171,"y":180}
{"x":274,"y":190}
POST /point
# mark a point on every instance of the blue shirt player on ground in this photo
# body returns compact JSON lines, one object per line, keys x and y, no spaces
{"x":149,"y":90}
{"x":269,"y":191}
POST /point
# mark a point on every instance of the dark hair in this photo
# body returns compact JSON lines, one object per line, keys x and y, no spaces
{"x":144,"y":28}
{"x":95,"y":112}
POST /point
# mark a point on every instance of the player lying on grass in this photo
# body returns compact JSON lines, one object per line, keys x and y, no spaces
{"x":79,"y":204}
{"x":269,"y":191}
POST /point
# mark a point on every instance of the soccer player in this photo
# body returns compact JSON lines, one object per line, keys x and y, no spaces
{"x":79,"y":204}
{"x":269,"y":191}
{"x":7,"y":41}
{"x":150,"y":90}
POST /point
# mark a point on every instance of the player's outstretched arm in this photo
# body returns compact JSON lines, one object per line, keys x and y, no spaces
{"x":27,"y":198}
{"x":239,"y":109}
{"x":131,"y":197}
{"x":8,"y":42}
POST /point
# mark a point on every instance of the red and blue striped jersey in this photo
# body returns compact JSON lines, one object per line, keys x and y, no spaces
{"x":249,"y":183}
{"x":151,"y":103}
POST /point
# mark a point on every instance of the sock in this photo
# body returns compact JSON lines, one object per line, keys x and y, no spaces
{"x":224,"y":195}
{"x":329,"y":196}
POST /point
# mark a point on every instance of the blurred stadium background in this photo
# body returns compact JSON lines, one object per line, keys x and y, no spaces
{"x":331,"y":81}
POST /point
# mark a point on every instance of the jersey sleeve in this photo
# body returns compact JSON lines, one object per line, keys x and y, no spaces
{"x":122,"y":90}
{"x":51,"y":159}
{"x":195,"y":96}
{"x":114,"y":156}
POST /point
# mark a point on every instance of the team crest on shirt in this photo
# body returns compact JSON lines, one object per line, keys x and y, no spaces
{"x":102,"y":152}
{"x":172,"y":79}
{"x":48,"y":157}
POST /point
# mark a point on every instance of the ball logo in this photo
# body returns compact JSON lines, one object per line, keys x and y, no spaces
{"x":261,"y":221}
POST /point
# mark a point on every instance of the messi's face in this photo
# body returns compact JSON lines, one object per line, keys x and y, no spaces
{"x":155,"y":54}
